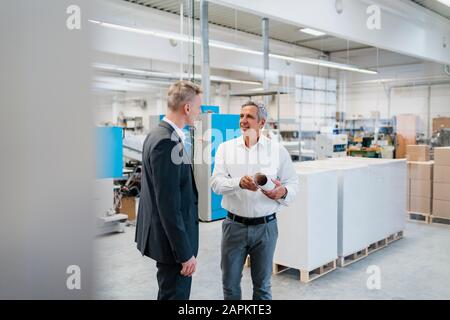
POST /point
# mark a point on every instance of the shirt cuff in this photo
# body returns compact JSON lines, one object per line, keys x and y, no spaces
{"x":286,"y":200}
{"x":235,"y":183}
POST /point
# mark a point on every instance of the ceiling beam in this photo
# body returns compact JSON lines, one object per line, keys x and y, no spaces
{"x":406,"y":28}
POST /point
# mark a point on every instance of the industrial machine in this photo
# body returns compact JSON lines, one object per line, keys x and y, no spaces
{"x":132,"y":147}
{"x":331,"y":145}
{"x":133,"y":143}
{"x":441,"y":138}
{"x":211,"y":131}
{"x":109,"y":165}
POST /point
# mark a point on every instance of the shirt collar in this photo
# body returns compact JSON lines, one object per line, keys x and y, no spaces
{"x":180,"y":132}
{"x":262,"y":141}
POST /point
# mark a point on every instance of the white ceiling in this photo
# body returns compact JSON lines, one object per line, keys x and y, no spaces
{"x":250,"y":23}
{"x":435,"y":6}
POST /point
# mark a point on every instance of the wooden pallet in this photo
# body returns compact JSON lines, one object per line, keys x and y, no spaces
{"x":396,"y":236}
{"x":440,"y":220}
{"x":352,"y":258}
{"x":374,"y":247}
{"x":419,"y":217}
{"x":308,"y":276}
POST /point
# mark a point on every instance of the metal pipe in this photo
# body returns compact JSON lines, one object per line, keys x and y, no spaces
{"x":278,"y":110}
{"x":193,"y":40}
{"x":265,"y":36}
{"x":206,"y":83}
{"x":429,"y":114}
{"x":181,"y":42}
{"x":421,"y":84}
{"x":300,"y":112}
{"x":228,"y":99}
{"x":389,"y":102}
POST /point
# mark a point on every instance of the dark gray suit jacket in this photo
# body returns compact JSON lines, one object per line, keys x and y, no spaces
{"x":167,"y":223}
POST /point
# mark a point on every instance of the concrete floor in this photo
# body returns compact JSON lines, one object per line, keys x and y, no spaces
{"x":415,"y":267}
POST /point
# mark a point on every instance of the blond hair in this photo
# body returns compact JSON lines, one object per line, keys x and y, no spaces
{"x":180,"y":93}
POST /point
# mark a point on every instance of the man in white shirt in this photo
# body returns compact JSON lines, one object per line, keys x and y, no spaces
{"x":251,"y":227}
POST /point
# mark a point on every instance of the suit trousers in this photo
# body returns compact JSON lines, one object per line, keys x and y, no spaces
{"x":172,"y":285}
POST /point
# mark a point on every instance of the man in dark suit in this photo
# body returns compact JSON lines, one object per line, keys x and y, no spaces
{"x":167,"y":223}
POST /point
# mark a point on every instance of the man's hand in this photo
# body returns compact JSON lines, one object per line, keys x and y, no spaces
{"x":189,"y":267}
{"x":277,"y":193}
{"x":248,"y":183}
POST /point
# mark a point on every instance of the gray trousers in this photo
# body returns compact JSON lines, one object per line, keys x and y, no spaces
{"x":238,"y":241}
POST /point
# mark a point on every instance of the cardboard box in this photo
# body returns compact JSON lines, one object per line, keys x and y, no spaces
{"x":442,"y":122}
{"x":441,"y":209}
{"x":441,"y":191}
{"x":420,"y":205}
{"x":420,"y":170}
{"x":129,"y":207}
{"x":402,"y":142}
{"x":421,"y":188}
{"x":418,"y":153}
{"x":442,"y":156}
{"x":441,"y":174}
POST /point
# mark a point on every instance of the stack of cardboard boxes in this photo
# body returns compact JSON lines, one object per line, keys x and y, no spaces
{"x":439,"y":123}
{"x":420,"y":179}
{"x":406,"y":134}
{"x":128,"y":207}
{"x":441,"y":192}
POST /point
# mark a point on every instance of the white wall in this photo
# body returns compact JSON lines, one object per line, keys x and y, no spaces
{"x":362,"y":100}
{"x":107,"y":107}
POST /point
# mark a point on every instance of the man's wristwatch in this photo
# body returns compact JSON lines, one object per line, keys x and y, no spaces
{"x":285,"y":194}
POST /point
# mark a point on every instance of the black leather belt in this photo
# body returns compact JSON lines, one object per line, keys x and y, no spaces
{"x":252,"y":221}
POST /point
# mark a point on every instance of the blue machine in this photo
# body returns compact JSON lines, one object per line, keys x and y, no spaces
{"x":109,"y":152}
{"x":213,"y":129}
{"x":109,"y":164}
{"x":210,"y":109}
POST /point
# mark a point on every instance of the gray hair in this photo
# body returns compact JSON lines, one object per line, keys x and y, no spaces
{"x":262,"y":111}
{"x":180,"y":93}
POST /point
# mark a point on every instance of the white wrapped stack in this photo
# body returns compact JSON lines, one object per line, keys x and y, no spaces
{"x":344,"y":205}
{"x":387,"y":192}
{"x":307,"y":236}
{"x":354,"y":221}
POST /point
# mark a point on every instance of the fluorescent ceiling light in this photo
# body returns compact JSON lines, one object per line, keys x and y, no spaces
{"x":446,"y":2}
{"x":122,"y":70}
{"x":312,"y":32}
{"x":107,"y":67}
{"x":227,"y":46}
{"x":158,"y":34}
{"x":322,"y":63}
{"x":227,"y":80}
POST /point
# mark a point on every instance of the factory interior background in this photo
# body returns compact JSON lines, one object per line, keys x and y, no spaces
{"x":357,"y":92}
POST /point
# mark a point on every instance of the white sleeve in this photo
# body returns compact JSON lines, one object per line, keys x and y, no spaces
{"x":221,"y":181}
{"x":288,"y":176}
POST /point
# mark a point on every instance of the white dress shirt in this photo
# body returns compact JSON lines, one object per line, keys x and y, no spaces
{"x":234,"y":160}
{"x":179,"y":131}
